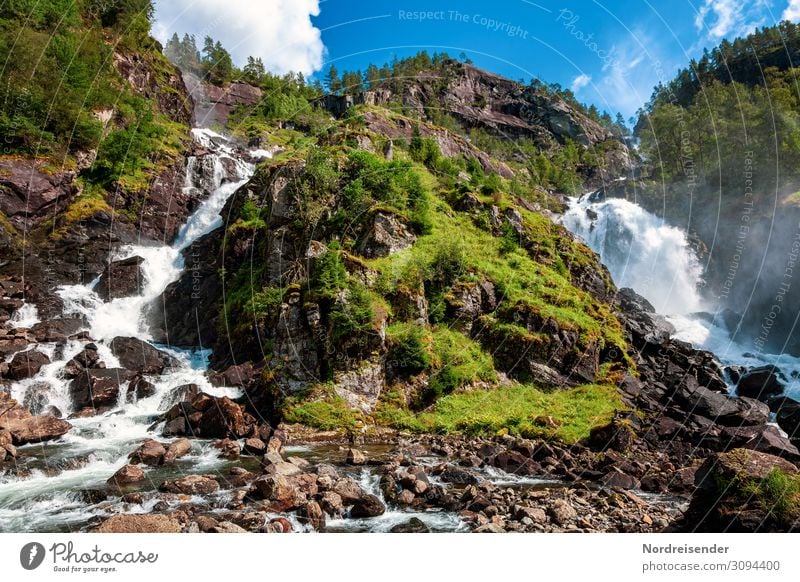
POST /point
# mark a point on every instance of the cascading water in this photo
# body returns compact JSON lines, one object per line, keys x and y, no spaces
{"x":656,"y":261}
{"x":33,"y":499}
{"x":641,"y":251}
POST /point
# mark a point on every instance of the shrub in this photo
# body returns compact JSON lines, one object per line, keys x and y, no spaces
{"x":409,"y":348}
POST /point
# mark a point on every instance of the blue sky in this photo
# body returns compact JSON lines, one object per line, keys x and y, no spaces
{"x":610,"y":53}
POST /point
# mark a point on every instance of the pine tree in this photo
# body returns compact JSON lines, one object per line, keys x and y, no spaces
{"x":332,"y":80}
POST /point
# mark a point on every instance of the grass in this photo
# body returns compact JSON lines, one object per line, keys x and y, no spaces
{"x":778,"y":495}
{"x":566,"y":415}
{"x":325,"y":410}
{"x":91,"y":201}
{"x":539,"y":283}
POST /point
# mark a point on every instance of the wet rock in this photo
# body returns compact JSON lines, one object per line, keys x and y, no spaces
{"x":278,"y":490}
{"x":26,"y":365}
{"x":274,"y":464}
{"x":182,"y":393}
{"x":121,"y":278}
{"x":177,"y":449}
{"x":356,"y":457}
{"x":139,"y":389}
{"x":413,"y":525}
{"x":367,"y":506}
{"x":98,"y":387}
{"x":348,"y":490}
{"x":57,"y":330}
{"x":761,"y":383}
{"x":141,"y":357}
{"x":787,"y":415}
{"x":763,"y":438}
{"x":86,"y":359}
{"x":191,"y":485}
{"x":229,"y":449}
{"x":254,"y":446}
{"x":227,"y":527}
{"x":36,"y":397}
{"x":150,"y":452}
{"x":314,"y":515}
{"x":241,"y":376}
{"x":332,"y":504}
{"x":224,"y":418}
{"x":136,"y":523}
{"x":35,"y":429}
{"x":127,"y":475}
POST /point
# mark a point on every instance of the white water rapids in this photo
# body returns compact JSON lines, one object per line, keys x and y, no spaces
{"x":38,"y":501}
{"x":656,"y":260}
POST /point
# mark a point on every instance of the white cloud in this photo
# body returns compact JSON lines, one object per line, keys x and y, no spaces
{"x":278,"y":31}
{"x":580,"y":82}
{"x":730,"y":17}
{"x":792,"y":11}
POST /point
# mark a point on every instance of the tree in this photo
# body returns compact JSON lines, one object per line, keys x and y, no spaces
{"x":332,"y":81}
{"x":254,"y":71}
{"x":217,"y":62}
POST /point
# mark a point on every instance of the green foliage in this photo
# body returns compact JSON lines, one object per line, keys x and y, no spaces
{"x":568,"y":415}
{"x":324,"y":411}
{"x":352,"y":313}
{"x":330,"y":275}
{"x":458,"y":361}
{"x":778,"y":495}
{"x":409,"y":348}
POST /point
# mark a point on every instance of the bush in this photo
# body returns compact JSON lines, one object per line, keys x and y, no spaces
{"x":409,"y":348}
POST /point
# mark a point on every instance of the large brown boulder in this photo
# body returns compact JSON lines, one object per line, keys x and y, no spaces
{"x":98,"y":387}
{"x":35,"y":429}
{"x":26,"y":365}
{"x":129,"y":523}
{"x":127,"y":475}
{"x":121,"y":278}
{"x":150,"y":452}
{"x":134,"y":354}
{"x":191,"y":485}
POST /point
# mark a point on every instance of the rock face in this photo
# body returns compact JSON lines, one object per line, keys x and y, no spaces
{"x":121,"y":278}
{"x":213,"y":105}
{"x":28,"y":194}
{"x":139,"y":356}
{"x":388,"y":234}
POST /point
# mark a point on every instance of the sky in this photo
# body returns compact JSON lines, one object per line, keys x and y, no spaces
{"x":610,"y":53}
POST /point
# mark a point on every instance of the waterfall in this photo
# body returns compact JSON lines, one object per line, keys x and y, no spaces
{"x":37,"y":501}
{"x":641,"y":251}
{"x":655,"y":259}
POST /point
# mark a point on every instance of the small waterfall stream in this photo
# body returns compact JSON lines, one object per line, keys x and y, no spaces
{"x":36,"y":500}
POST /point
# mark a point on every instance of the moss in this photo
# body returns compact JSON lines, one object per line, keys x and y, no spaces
{"x":90,"y":202}
{"x":567,"y":415}
{"x":778,"y":495}
{"x":323,"y":409}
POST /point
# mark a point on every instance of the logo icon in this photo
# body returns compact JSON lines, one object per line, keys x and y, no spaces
{"x":31,"y":555}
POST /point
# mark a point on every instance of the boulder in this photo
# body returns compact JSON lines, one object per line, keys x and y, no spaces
{"x":274,"y":464}
{"x":787,"y":415}
{"x":720,"y":408}
{"x":141,"y":357}
{"x":57,"y":330}
{"x":127,"y":475}
{"x":181,"y":393}
{"x":138,"y":389}
{"x":191,"y":485}
{"x":761,"y":383}
{"x":136,"y":523}
{"x":348,"y":490}
{"x":228,"y":449}
{"x":254,"y":446}
{"x":26,"y":365}
{"x":367,"y":506}
{"x":413,"y":525}
{"x":121,"y":278}
{"x":85,"y":359}
{"x":224,"y":418}
{"x":562,"y":512}
{"x":35,"y":429}
{"x":763,"y":438}
{"x":98,"y":387}
{"x":278,"y":490}
{"x":150,"y":452}
{"x":241,"y":376}
{"x":724,"y":467}
{"x":177,"y":449}
{"x":314,"y":515}
{"x":356,"y":457}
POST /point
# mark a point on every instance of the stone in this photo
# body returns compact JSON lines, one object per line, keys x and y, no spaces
{"x":34,"y":429}
{"x":562,"y":512}
{"x":227,"y":527}
{"x":356,"y":457}
{"x":177,"y":449}
{"x":150,"y":452}
{"x":191,"y":485}
{"x":26,"y":365}
{"x":127,"y":475}
{"x":223,"y":418}
{"x":139,"y":389}
{"x":278,"y":490}
{"x":413,"y":525}
{"x":98,"y":387}
{"x":787,"y":415}
{"x":312,"y":511}
{"x":535,"y":514}
{"x":332,"y":504}
{"x":254,"y":446}
{"x":228,"y":449}
{"x":722,"y":467}
{"x":139,"y":356}
{"x":348,"y":490}
{"x":121,"y":278}
{"x":761,"y":383}
{"x":139,"y":523}
{"x":367,"y":506}
{"x":388,"y":234}
{"x":87,"y":358}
